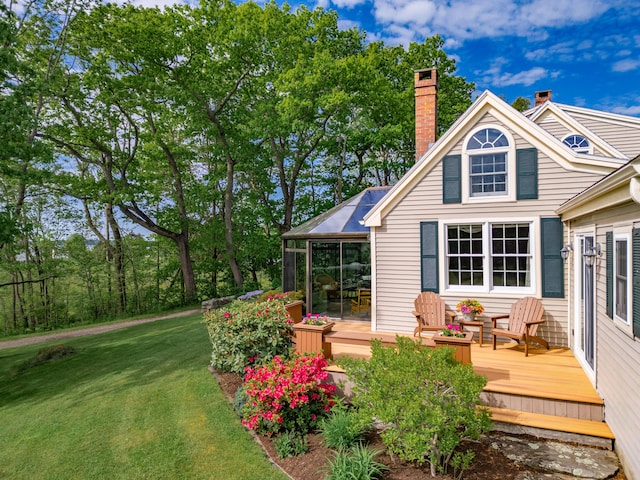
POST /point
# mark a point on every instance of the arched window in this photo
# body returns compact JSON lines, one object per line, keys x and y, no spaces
{"x":578,"y":143}
{"x":488,"y":150}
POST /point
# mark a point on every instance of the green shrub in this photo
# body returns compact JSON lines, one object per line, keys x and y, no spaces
{"x":246,"y":333}
{"x":355,"y":464}
{"x":239,"y":400}
{"x":427,"y":401}
{"x":291,"y":444}
{"x":341,"y":429}
{"x":287,"y":395}
{"x":288,"y":297}
{"x":46,"y":355}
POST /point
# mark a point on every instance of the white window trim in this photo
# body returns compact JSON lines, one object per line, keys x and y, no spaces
{"x":624,"y":324}
{"x":487,"y":287}
{"x":589,"y":150}
{"x":510,"y":196}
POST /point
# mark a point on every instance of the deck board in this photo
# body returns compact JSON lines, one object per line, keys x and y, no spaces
{"x":553,"y":373}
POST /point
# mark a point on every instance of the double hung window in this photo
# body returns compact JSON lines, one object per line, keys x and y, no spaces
{"x":621,"y":283}
{"x":489,"y":256}
{"x":488,"y":151}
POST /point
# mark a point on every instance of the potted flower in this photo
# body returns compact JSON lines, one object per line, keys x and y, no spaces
{"x":452,"y":336}
{"x":310,"y":334}
{"x":452,"y":331}
{"x":315,"y":319}
{"x":469,"y":308}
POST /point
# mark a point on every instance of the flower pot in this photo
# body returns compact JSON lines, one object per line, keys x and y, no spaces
{"x":309,"y":338}
{"x":462,"y":345}
{"x":469,"y":317}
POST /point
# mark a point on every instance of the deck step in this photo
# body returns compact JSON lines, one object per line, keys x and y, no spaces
{"x":552,"y":422}
{"x":359,"y":338}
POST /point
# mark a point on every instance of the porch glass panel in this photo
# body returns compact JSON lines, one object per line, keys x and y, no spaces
{"x":340,"y":273}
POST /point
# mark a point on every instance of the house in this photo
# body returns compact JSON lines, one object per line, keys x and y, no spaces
{"x":508,"y":204}
{"x":602,"y":226}
{"x":476,"y":215}
{"x":505,"y":204}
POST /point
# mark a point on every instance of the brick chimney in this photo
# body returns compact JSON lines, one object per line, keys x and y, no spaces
{"x":542,"y":97}
{"x":426,"y":95}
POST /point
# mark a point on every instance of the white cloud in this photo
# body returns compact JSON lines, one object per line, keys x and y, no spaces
{"x":415,"y":12}
{"x":347,"y":3}
{"x":496,"y":77}
{"x":626,"y":65}
{"x":399,"y":35}
{"x":556,"y":13}
{"x":451,"y":43}
{"x":631,"y":110}
{"x":347,"y":24}
{"x":472,"y":19}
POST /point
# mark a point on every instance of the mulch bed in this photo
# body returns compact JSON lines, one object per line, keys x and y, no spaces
{"x":488,"y":464}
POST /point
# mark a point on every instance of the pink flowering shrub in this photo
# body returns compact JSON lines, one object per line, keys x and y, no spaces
{"x":287,"y":395}
{"x":247,"y":333}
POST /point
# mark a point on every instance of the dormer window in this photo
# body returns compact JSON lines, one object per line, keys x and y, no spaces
{"x":488,"y":151}
{"x":578,"y":143}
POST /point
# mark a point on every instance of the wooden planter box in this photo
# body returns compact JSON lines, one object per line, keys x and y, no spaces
{"x":462,"y":345}
{"x":295,"y":310}
{"x":310,"y":338}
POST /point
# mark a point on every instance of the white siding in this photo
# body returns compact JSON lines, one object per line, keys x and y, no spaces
{"x":626,"y":138}
{"x":397,"y":244}
{"x":617,"y":353}
{"x":551,"y":124}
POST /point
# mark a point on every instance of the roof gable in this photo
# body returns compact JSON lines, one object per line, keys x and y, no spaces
{"x":563,"y":114}
{"x":534,"y":134}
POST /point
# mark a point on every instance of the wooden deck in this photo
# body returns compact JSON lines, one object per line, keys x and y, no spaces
{"x":548,"y":389}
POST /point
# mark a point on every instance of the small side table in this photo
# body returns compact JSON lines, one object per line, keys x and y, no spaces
{"x":475,"y":323}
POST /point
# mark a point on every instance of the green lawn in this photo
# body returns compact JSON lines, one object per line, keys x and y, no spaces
{"x":137,"y":403}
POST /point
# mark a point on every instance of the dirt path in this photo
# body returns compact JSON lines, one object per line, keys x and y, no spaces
{"x":62,"y":335}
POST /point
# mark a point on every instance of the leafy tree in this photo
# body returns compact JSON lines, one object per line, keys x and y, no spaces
{"x":521,"y":104}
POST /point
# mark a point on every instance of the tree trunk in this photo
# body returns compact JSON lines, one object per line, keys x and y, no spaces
{"x":188,"y":279}
{"x":228,"y":223}
{"x":118,"y":259}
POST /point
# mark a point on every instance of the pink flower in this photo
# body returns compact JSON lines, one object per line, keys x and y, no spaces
{"x":227,"y":314}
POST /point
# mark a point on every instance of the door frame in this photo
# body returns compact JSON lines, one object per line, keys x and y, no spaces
{"x":584,"y":291}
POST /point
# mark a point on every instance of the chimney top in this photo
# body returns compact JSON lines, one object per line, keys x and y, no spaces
{"x":543,"y":96}
{"x":425,"y":78}
{"x":426,"y":99}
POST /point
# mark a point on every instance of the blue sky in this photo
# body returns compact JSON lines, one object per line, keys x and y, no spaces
{"x":586,"y":51}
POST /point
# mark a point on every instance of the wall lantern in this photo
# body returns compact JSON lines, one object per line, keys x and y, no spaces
{"x":566,"y":250}
{"x":590,"y":255}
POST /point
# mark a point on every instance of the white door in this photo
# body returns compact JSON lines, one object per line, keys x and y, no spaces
{"x":584,"y":295}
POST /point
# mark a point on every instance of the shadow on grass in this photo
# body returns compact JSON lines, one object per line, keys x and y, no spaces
{"x":109,"y":363}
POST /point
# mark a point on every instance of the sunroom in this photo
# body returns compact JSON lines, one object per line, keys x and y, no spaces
{"x":329,"y":258}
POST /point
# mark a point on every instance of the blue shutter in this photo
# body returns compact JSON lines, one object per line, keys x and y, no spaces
{"x":451,"y":179}
{"x":552,"y":263}
{"x":635,"y":243}
{"x":609,"y":273}
{"x":429,"y":256}
{"x":526,"y":173}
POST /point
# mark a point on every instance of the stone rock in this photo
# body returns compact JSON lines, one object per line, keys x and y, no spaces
{"x":215,"y":303}
{"x":562,"y":460}
{"x":543,"y":476}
